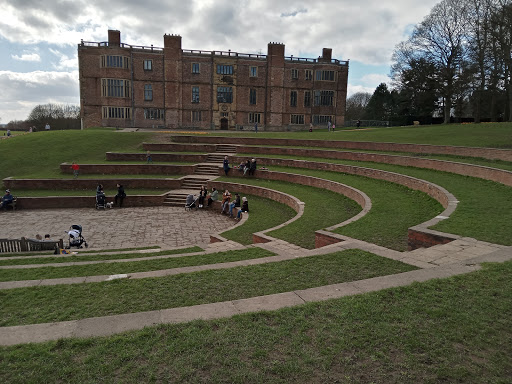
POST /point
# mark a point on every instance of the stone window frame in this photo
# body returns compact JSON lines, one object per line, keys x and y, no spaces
{"x":297,"y":119}
{"x":195,"y":94}
{"x":148,"y":92}
{"x":148,"y":65}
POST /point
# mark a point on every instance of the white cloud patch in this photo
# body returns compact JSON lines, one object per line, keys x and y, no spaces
{"x":21,"y":92}
{"x":375,"y":79}
{"x":27,"y":57}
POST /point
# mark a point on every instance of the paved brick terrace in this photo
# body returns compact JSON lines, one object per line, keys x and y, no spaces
{"x":119,"y":228}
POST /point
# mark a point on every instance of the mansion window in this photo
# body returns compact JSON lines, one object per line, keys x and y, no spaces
{"x":324,"y":98}
{"x":148,"y":92}
{"x":117,"y":113}
{"x":325,"y":75}
{"x":321,"y":119}
{"x":195,"y":67}
{"x":195,"y":94}
{"x":254,"y":118}
{"x":297,"y":119}
{"x":113,"y":61}
{"x":307,"y":98}
{"x":253,"y":72}
{"x":293,"y":98}
{"x":308,"y":74}
{"x":224,"y":94}
{"x":115,"y":88}
{"x":252,"y":96}
{"x":295,"y":74}
{"x":154,"y":113}
{"x":148,"y":65}
{"x":224,"y":69}
{"x":196,"y":115}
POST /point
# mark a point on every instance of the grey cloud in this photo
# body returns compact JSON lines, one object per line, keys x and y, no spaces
{"x":295,"y":13}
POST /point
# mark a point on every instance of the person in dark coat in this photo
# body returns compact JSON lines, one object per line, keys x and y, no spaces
{"x":252,"y":168}
{"x":226,"y":165}
{"x":120,"y":195}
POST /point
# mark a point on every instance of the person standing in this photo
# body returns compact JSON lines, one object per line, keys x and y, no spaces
{"x":121,"y":194}
{"x":256,"y":127}
{"x":148,"y":157}
{"x":310,"y":127}
{"x":76,"y":168}
{"x":226,"y":165}
{"x":252,"y":168}
{"x":329,"y":126}
{"x":47,"y":127}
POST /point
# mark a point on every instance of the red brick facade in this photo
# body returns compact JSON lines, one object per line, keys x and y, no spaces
{"x":132,"y":86}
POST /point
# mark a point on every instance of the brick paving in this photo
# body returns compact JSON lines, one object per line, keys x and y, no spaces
{"x":119,"y":228}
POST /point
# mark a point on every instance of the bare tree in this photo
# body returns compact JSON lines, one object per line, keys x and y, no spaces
{"x":356,"y":105}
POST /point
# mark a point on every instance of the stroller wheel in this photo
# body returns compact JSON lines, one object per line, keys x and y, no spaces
{"x":86,"y":245}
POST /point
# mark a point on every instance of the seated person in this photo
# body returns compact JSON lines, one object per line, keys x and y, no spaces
{"x":234,"y":204}
{"x":244,"y":208}
{"x":226,"y":197}
{"x":7,"y":199}
{"x":214,"y":196}
{"x":202,"y":195}
{"x":247,"y":166}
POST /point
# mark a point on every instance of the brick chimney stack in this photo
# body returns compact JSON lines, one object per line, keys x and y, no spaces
{"x":114,"y":37}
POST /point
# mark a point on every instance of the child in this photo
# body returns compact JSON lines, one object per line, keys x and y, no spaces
{"x":75,"y":167}
{"x":148,"y":157}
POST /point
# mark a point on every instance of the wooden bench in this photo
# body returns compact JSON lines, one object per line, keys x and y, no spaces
{"x":29,"y":245}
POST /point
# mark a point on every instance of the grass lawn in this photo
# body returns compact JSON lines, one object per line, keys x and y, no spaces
{"x":263,"y":214}
{"x":67,"y":302}
{"x":86,"y":257}
{"x":454,"y":330}
{"x":394,"y":209}
{"x":494,"y":135}
{"x":484,"y":211}
{"x":39,"y":154}
{"x":322,"y":209}
{"x":131,"y":267}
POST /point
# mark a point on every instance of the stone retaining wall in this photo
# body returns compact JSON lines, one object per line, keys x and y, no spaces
{"x":486,"y":153}
{"x":91,"y":184}
{"x":166,"y":157}
{"x":134,"y":169}
{"x":86,"y":201}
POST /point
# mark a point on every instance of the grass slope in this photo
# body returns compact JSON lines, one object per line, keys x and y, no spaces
{"x":322,"y":209}
{"x":454,"y":330}
{"x":39,"y":154}
{"x":494,"y":135}
{"x":68,"y":302}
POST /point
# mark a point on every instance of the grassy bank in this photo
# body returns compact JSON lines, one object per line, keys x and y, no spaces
{"x":454,"y":330}
{"x":68,"y":302}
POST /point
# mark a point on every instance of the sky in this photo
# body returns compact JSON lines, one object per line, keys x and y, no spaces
{"x":39,"y":39}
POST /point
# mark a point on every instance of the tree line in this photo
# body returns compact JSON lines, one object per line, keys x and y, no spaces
{"x":455,"y":66}
{"x":59,"y":116}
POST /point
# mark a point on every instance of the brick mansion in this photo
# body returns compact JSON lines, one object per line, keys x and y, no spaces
{"x":125,"y":85}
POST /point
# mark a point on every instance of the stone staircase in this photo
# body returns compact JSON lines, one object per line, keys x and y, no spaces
{"x":190,"y":185}
{"x":207,"y":170}
{"x":215,"y":158}
{"x":226,"y":149}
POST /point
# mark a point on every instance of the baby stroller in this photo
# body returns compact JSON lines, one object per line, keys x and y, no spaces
{"x":75,"y":237}
{"x":191,"y":202}
{"x":101,"y":201}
